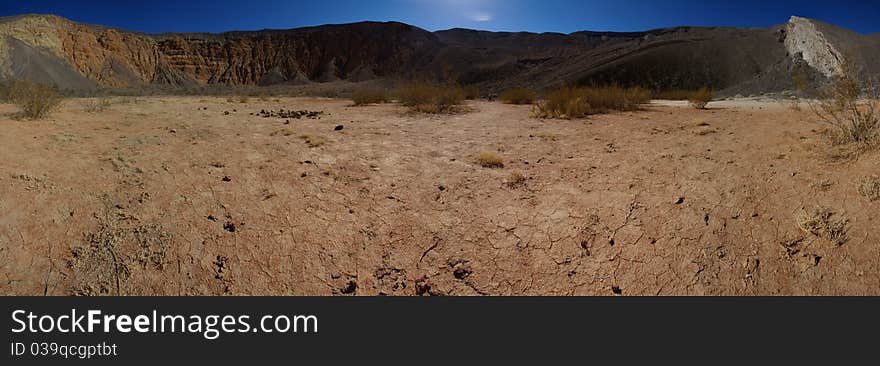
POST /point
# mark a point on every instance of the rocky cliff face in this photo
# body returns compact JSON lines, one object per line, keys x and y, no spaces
{"x":804,"y":40}
{"x":323,"y":53}
{"x":103,"y":55}
{"x":746,"y":61}
{"x":111,"y":57}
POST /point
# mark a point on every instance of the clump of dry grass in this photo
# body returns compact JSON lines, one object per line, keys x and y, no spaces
{"x":424,"y":97}
{"x":700,"y":98}
{"x":471,"y":92}
{"x":821,"y":222}
{"x":516,"y":179}
{"x":97,"y":105}
{"x":35,"y":100}
{"x":366,"y":96}
{"x":870,"y":188}
{"x":568,"y":102}
{"x":313,"y":141}
{"x":282,"y":132}
{"x":674,"y":94}
{"x":547,"y":137}
{"x":238,"y":99}
{"x":488,"y":159}
{"x":518,"y":95}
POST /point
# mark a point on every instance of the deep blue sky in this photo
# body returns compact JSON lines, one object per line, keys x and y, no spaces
{"x":510,"y":15}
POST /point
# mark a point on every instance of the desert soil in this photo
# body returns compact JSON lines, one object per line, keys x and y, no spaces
{"x":171,"y":196}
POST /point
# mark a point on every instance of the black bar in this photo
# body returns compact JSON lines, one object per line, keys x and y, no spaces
{"x":359,"y":329}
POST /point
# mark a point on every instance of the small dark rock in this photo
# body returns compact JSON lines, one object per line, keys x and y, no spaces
{"x":338,"y":128}
{"x":349,"y":288}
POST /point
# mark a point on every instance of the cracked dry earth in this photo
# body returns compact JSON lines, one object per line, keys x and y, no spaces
{"x":172,"y":196}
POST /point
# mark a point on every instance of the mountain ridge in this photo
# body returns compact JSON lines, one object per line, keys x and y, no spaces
{"x":56,"y":50}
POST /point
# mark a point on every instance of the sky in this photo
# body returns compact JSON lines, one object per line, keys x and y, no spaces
{"x":565,"y":16}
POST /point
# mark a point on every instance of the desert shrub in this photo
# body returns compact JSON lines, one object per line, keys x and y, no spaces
{"x":616,"y":98}
{"x":700,"y":98}
{"x":674,"y":94}
{"x":516,"y":179}
{"x":488,"y":159}
{"x":425,"y":97}
{"x":312,"y":140}
{"x":96,"y":105}
{"x":840,"y":105}
{"x":563,"y":103}
{"x":415,"y":93}
{"x":471,"y":92}
{"x":365,"y":96}
{"x":518,"y":95}
{"x":870,"y":188}
{"x":568,"y":102}
{"x":35,"y":100}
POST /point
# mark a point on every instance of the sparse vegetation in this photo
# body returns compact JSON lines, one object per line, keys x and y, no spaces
{"x":424,"y":97}
{"x":312,"y":141}
{"x":471,"y":92}
{"x":488,"y":159}
{"x":700,"y":98}
{"x":821,"y":222}
{"x":516,"y":179}
{"x":238,"y":99}
{"x":840,"y":106}
{"x":870,"y":188}
{"x":35,"y":100}
{"x":369,"y":95}
{"x":96,"y":105}
{"x":568,"y":102}
{"x":282,"y":132}
{"x":518,"y":95}
{"x":674,"y":94}
{"x":547,"y":137}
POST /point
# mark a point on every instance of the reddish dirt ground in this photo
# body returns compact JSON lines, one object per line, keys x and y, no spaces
{"x":160,"y":196}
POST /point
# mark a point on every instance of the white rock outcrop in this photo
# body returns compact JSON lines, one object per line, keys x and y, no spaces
{"x":805,"y":39}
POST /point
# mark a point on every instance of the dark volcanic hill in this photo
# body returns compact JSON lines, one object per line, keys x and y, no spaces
{"x":736,"y":60}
